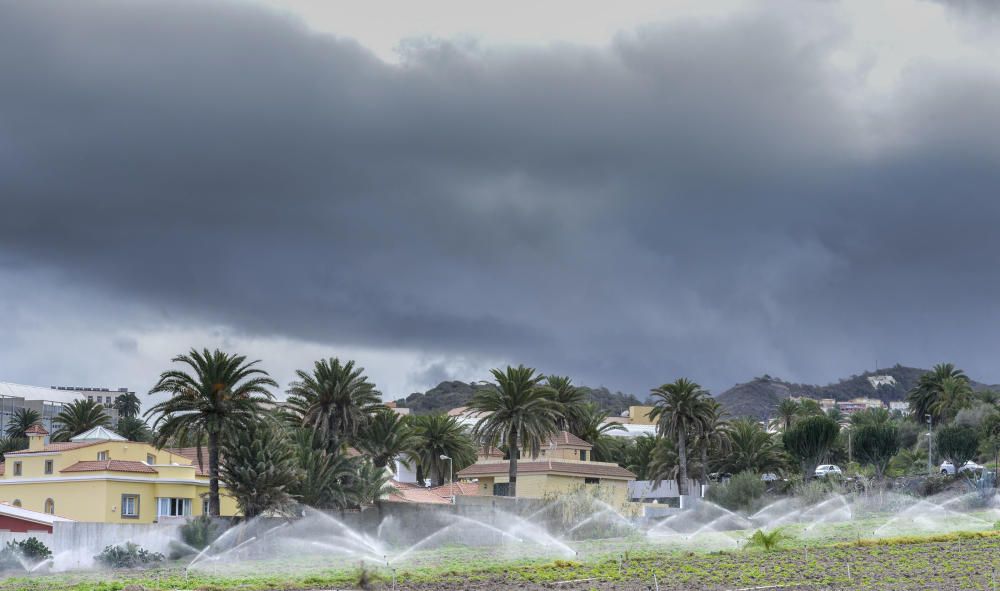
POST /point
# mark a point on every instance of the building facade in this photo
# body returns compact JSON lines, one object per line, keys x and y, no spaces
{"x":99,"y":476}
{"x":563,"y":466}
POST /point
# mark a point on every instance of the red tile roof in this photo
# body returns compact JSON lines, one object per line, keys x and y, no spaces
{"x":62,"y":446}
{"x":36,"y":430}
{"x":568,"y":439}
{"x":595,"y":469}
{"x":414,"y":493}
{"x":110,"y":466}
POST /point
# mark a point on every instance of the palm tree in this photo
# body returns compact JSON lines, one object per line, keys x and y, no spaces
{"x":954,"y":395}
{"x":663,"y":462}
{"x":373,"y":483}
{"x":326,"y":476}
{"x":133,"y":429}
{"x":925,"y":397}
{"x":441,"y":435}
{"x":751,"y":448}
{"x":335,"y":399}
{"x":713,"y":436}
{"x":518,"y":413}
{"x":787,"y":411}
{"x":680,"y":411}
{"x":637,"y":456}
{"x":387,"y":437}
{"x":9,"y":444}
{"x":592,"y":427}
{"x":77,"y":417}
{"x":224,"y":392}
{"x":127,"y":405}
{"x":22,"y":420}
{"x":259,"y":467}
{"x":570,"y":401}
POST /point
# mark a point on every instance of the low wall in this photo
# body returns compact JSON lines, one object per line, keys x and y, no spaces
{"x":74,"y":544}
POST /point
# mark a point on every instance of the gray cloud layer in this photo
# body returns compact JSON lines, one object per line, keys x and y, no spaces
{"x":701,"y":198}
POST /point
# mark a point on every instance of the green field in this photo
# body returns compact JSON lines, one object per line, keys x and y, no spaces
{"x":826,"y":556}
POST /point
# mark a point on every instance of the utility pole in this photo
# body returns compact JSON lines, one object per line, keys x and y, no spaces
{"x":451,"y":477}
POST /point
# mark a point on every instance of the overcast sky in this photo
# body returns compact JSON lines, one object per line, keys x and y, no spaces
{"x":624,"y":194}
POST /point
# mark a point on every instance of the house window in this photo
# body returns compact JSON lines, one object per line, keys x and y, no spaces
{"x":130,"y":506}
{"x":48,"y":466}
{"x":90,"y":398}
{"x":501,"y":489}
{"x":102,"y":456}
{"x":173,"y":507}
{"x":591,"y":480}
{"x":150,"y":459}
{"x":204,"y":506}
{"x":50,"y":506}
{"x":17,"y":468}
{"x":17,"y":502}
{"x":583,"y":455}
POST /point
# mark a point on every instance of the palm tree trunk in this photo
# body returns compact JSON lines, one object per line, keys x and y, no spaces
{"x":512,"y":473}
{"x":213,"y":474}
{"x":682,"y":456}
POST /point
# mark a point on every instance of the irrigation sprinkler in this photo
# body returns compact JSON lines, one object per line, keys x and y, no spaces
{"x":393,"y":579}
{"x":656,"y":584}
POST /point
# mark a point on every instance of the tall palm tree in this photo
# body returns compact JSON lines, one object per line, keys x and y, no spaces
{"x":224,"y":392}
{"x":77,"y":417}
{"x":570,"y":401}
{"x":518,"y":412}
{"x":335,"y":399}
{"x":592,"y":427}
{"x":680,"y":410}
{"x":127,"y":405}
{"x":787,"y":411}
{"x":925,"y":398}
{"x":387,"y":437}
{"x":22,"y":420}
{"x":441,"y":435}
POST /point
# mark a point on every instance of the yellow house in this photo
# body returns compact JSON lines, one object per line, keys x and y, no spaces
{"x":563,"y":466}
{"x":99,"y":476}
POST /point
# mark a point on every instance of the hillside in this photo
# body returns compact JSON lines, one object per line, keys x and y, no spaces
{"x":759,"y":397}
{"x":448,"y":395}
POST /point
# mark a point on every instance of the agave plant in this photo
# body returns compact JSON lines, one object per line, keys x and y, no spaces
{"x":767,"y":541}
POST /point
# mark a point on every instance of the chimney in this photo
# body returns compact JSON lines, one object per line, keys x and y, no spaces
{"x":36,"y":437}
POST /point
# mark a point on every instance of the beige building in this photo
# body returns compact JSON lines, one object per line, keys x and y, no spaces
{"x":563,"y":466}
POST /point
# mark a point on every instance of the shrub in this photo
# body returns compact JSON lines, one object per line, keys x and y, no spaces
{"x":741,"y":492}
{"x":813,"y":491}
{"x":200,"y":532}
{"x":957,"y":444}
{"x":15,"y":554}
{"x":129,"y":555}
{"x":767,"y":541}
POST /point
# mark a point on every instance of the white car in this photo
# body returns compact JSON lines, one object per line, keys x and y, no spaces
{"x":827,"y":470}
{"x":970,"y":466}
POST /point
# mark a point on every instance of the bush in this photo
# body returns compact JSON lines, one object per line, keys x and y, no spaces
{"x":129,"y":555}
{"x":200,"y":532}
{"x":16,"y":554}
{"x":741,"y":492}
{"x":814,"y":491}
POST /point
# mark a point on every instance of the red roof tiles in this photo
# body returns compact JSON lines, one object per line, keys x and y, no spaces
{"x":61,"y":446}
{"x":110,"y":466}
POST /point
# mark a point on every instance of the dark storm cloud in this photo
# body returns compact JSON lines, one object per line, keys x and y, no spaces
{"x":695,"y":198}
